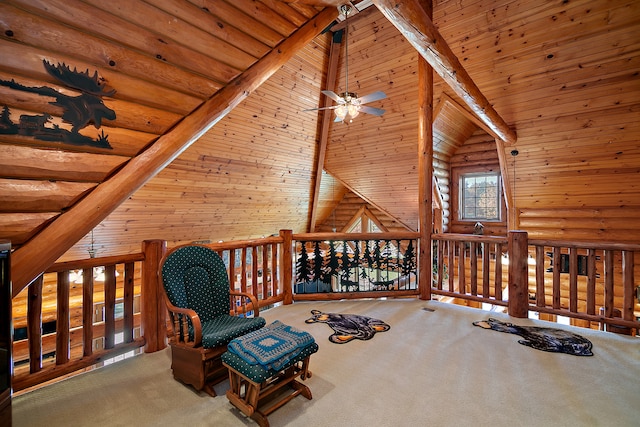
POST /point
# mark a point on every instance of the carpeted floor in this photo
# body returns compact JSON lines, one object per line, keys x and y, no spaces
{"x":432,"y":368}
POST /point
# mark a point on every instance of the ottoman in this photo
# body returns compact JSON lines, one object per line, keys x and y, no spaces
{"x":262,"y":363}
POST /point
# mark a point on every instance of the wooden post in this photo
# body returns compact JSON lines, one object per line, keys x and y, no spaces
{"x":425,"y":170}
{"x":518,"y":274}
{"x":286,"y":269}
{"x":153,"y":320}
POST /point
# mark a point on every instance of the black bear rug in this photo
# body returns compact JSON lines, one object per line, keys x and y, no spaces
{"x":349,"y":326}
{"x":545,"y":339}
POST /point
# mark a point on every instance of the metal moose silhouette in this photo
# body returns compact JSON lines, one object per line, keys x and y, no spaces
{"x":80,"y":111}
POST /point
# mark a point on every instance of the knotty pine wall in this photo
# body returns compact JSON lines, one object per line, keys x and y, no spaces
{"x":477,"y":154}
{"x":565,"y":75}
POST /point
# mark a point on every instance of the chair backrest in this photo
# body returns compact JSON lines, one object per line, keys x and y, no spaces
{"x":195,"y":277}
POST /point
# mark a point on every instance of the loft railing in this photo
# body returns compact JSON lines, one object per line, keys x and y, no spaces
{"x":469,"y":267}
{"x":355,"y":265}
{"x":593,"y":282}
{"x":585,"y":281}
{"x":74,"y":316}
{"x":254,"y":266}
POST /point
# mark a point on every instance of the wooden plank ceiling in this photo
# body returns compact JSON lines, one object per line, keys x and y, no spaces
{"x":152,"y":63}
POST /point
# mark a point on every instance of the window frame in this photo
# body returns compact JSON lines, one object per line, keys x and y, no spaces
{"x":461,"y":196}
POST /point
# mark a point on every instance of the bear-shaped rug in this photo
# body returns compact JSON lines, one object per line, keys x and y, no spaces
{"x":545,"y":339}
{"x":349,"y":326}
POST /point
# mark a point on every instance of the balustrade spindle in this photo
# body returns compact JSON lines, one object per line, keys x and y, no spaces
{"x":128,"y":299}
{"x":34,"y":324}
{"x":87,"y":311}
{"x":591,"y":281}
{"x":62,"y":320}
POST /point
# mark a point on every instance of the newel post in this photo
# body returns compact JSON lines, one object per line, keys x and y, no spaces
{"x":286,"y":269}
{"x":153,"y":322}
{"x":518,"y":274}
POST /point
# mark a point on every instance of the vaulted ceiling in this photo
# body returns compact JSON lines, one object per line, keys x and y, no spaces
{"x":210,"y":141}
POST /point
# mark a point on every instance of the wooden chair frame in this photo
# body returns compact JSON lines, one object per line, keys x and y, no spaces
{"x":257,"y":400}
{"x":190,"y":362}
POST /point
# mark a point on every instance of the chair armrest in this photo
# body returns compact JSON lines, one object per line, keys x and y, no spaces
{"x":247,"y":303}
{"x":180,"y":318}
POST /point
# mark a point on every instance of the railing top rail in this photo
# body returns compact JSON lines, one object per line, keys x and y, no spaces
{"x":94,"y":262}
{"x":400,"y":235}
{"x":239,"y":244}
{"x":586,"y":245}
{"x":469,"y":238}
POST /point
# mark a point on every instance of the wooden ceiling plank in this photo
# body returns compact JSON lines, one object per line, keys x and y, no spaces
{"x":411,"y":20}
{"x":71,"y":226}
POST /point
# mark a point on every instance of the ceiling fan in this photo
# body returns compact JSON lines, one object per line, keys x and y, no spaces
{"x":349,"y":105}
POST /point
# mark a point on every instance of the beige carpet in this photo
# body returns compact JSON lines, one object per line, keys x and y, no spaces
{"x":433,"y":368}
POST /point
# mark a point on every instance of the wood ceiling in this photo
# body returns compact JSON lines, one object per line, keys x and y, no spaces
{"x":214,"y":90}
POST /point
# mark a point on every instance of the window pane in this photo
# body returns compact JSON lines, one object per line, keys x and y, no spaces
{"x":480,"y":197}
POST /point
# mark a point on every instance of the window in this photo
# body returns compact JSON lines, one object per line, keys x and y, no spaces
{"x":480,"y":197}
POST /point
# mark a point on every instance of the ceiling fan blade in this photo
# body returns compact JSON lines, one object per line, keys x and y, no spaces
{"x":375,"y":96}
{"x":333,"y":107}
{"x":334,"y":96}
{"x":371,"y":110}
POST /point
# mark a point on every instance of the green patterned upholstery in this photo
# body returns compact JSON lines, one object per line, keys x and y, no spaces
{"x":195,"y":277}
{"x":257,"y":373}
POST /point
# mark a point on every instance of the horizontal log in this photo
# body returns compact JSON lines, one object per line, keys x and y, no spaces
{"x":21,"y":195}
{"x":25,"y":163}
{"x":584,"y":212}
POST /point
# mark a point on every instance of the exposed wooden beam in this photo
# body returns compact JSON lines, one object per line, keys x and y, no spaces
{"x":412,"y":21}
{"x":32,"y":258}
{"x":323,"y":136}
{"x":425,"y":167}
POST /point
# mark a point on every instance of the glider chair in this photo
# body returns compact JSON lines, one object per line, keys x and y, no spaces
{"x":204,"y":313}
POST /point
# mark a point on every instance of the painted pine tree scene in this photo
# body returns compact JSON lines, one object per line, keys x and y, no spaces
{"x":355,"y":266}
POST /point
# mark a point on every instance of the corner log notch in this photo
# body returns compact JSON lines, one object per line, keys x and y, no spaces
{"x":410,"y":18}
{"x":32,"y":258}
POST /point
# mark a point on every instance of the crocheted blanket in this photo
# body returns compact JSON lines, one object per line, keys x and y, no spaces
{"x":271,"y":347}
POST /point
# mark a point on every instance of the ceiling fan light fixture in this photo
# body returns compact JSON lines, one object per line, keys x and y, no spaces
{"x":353,"y":110}
{"x":342,"y":111}
{"x":349,"y":105}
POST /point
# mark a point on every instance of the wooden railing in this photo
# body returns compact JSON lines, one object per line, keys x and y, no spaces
{"x":595,"y":282}
{"x":75,"y":315}
{"x":524,"y":276}
{"x":254,"y":266}
{"x":588,"y":281}
{"x":469,"y":267}
{"x":355,"y":265}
